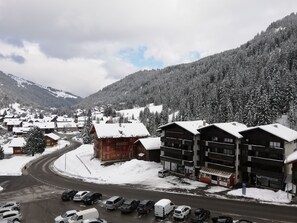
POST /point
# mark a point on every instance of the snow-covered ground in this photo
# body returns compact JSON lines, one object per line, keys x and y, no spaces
{"x":13,"y":166}
{"x":80,"y":164}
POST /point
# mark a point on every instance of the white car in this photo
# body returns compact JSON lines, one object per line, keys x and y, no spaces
{"x":181,"y":212}
{"x":63,"y":218}
{"x":12,"y":215}
{"x":99,"y":220}
{"x":11,"y":208}
{"x":80,"y":195}
{"x":10,"y":204}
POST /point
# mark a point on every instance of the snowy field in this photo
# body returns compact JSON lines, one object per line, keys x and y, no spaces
{"x":13,"y":166}
{"x":83,"y":166}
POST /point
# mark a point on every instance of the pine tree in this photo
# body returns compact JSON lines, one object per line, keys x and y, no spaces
{"x":85,"y":133}
{"x":35,"y":141}
{"x":1,"y":153}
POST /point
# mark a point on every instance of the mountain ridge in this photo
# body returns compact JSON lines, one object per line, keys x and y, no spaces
{"x":16,"y":89}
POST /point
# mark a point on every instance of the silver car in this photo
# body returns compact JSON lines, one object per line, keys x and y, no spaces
{"x":10,"y":204}
{"x":11,"y":208}
{"x":63,"y":218}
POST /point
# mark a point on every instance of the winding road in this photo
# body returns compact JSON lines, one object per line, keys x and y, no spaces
{"x":39,"y":190}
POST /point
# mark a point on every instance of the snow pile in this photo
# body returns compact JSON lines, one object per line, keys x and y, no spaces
{"x":216,"y":189}
{"x":84,"y":166}
{"x":1,"y":188}
{"x":263,"y":195}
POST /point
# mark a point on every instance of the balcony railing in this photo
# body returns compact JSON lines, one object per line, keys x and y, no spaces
{"x":212,"y":144}
{"x":220,"y":166}
{"x":171,"y":150}
{"x":171,"y":159}
{"x":221,"y":156}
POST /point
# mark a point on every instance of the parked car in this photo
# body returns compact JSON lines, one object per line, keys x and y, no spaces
{"x":145,"y":206}
{"x":163,"y":208}
{"x":11,"y":208}
{"x":80,"y":216}
{"x":163,"y":173}
{"x":200,"y":215}
{"x":12,"y":215}
{"x":10,"y":204}
{"x":222,"y":219}
{"x":129,"y":205}
{"x":181,"y":212}
{"x":243,"y":221}
{"x":63,"y":218}
{"x":92,"y":198}
{"x":99,"y":220}
{"x":80,"y":195}
{"x":68,"y":195}
{"x":114,"y":202}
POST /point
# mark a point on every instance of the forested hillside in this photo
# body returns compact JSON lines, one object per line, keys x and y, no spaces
{"x":253,"y":84}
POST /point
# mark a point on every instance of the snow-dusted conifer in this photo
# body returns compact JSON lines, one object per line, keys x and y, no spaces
{"x":35,"y":141}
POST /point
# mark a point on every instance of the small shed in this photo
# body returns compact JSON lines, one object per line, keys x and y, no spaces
{"x":148,"y":149}
{"x":18,"y":145}
{"x":51,"y":139}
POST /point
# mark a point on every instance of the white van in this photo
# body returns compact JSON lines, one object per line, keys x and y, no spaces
{"x":163,"y":207}
{"x":85,"y":214}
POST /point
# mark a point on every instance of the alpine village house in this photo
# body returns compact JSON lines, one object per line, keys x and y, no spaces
{"x":115,"y":141}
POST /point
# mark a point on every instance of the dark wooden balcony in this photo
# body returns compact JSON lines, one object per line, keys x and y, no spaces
{"x":221,"y":157}
{"x":170,"y":159}
{"x":267,"y":149}
{"x":267,"y":161}
{"x":173,"y":150}
{"x":220,"y":145}
{"x":220,"y":166}
{"x":171,"y":140}
{"x":267,"y":173}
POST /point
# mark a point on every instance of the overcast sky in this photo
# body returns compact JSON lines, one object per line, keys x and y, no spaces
{"x":81,"y":46}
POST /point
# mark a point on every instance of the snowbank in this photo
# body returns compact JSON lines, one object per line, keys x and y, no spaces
{"x":263,"y":195}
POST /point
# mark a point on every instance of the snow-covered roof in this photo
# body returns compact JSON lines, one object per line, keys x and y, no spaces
{"x":232,"y":128}
{"x":17,"y":142}
{"x":66,"y":125}
{"x":278,"y":130}
{"x":291,"y":158}
{"x":191,"y":126}
{"x":13,"y":122}
{"x":150,"y":143}
{"x":20,"y":129}
{"x":115,"y":130}
{"x":64,"y":119}
{"x":45,"y":125}
{"x":53,"y":136}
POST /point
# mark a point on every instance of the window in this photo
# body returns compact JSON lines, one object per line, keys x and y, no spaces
{"x":274,"y":144}
{"x":228,"y":140}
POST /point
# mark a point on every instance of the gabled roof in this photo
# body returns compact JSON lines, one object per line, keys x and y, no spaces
{"x":232,"y":128}
{"x":17,"y":142}
{"x":150,"y":143}
{"x":45,"y":125}
{"x":53,"y":136}
{"x":13,"y":122}
{"x":190,"y":126}
{"x":278,"y":130}
{"x":125,"y":130}
{"x":291,"y":158}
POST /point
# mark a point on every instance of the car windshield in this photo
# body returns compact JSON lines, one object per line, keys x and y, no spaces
{"x":177,"y":211}
{"x":74,"y":217}
{"x":64,"y":215}
{"x":108,"y":202}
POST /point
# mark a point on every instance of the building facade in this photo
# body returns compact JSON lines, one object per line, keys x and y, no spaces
{"x":115,"y":142}
{"x":219,"y":147}
{"x":179,"y":145}
{"x":263,"y":151}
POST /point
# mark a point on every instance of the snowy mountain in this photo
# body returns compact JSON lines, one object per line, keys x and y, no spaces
{"x":253,"y":84}
{"x":16,"y":89}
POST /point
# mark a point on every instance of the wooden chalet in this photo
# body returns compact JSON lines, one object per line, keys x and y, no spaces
{"x":219,"y":152}
{"x":51,"y":139}
{"x":115,"y":141}
{"x":148,"y":149}
{"x":263,"y":152}
{"x":18,"y":145}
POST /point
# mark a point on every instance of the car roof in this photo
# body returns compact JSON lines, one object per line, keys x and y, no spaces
{"x":10,"y":212}
{"x":180,"y":207}
{"x":144,"y":201}
{"x":113,"y":198}
{"x":82,"y":191}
